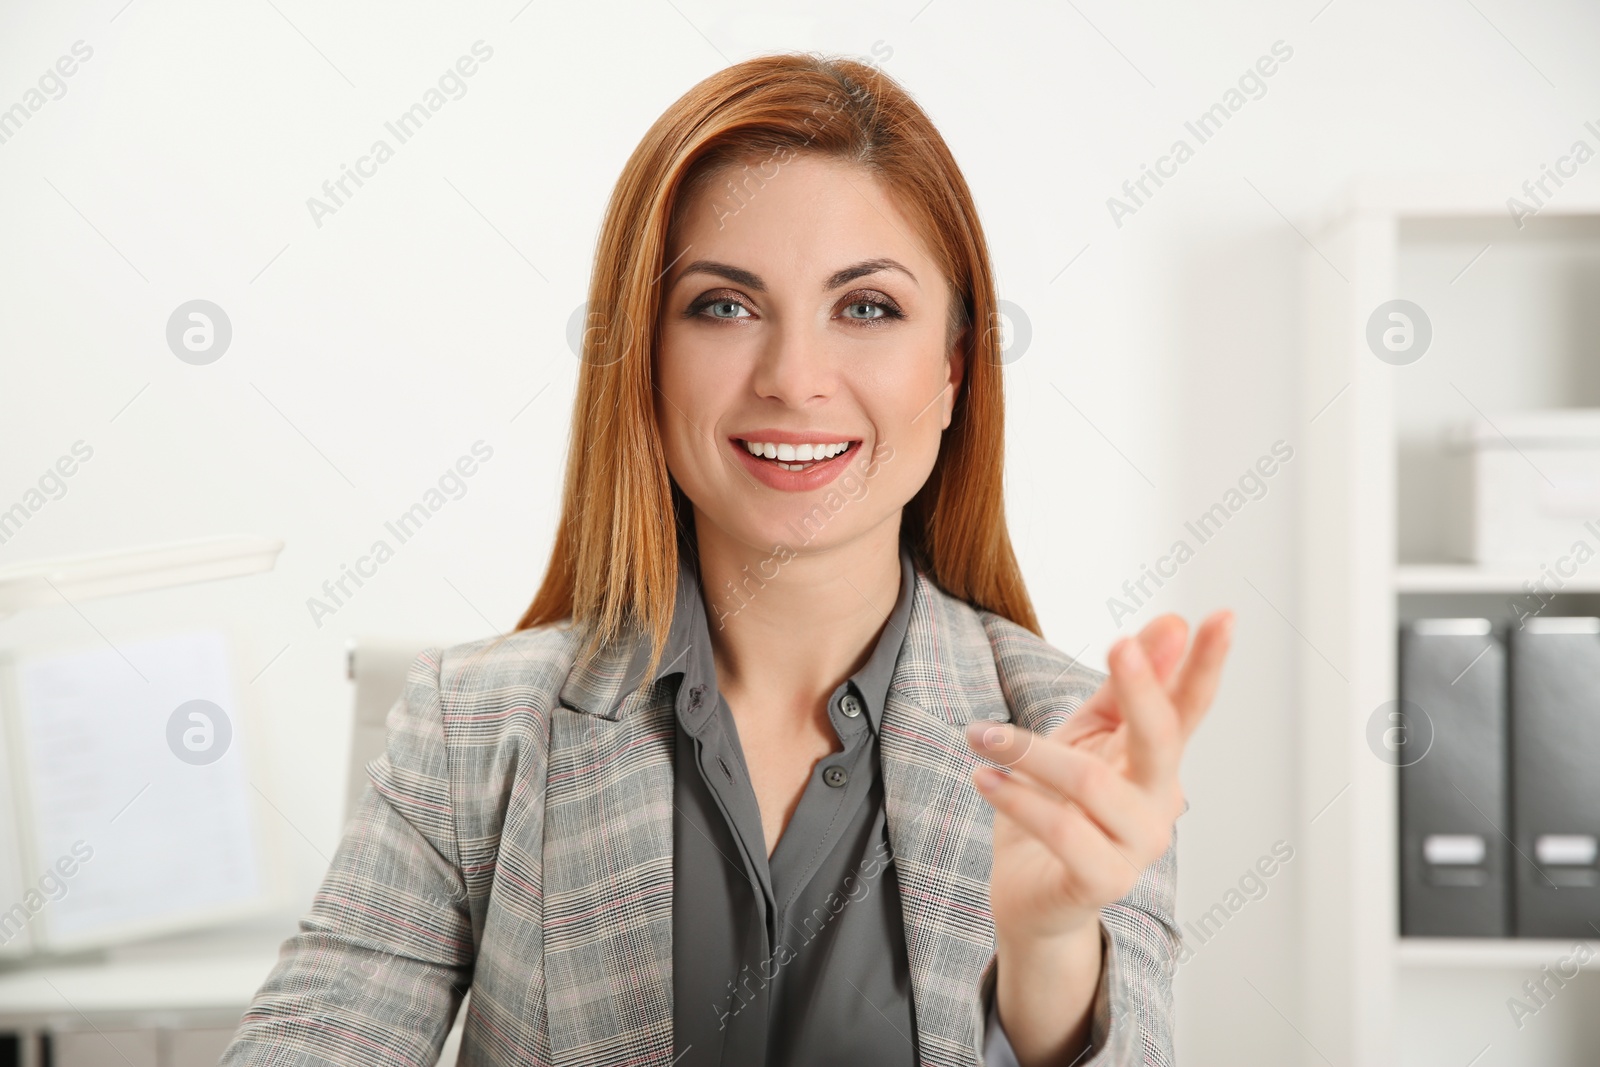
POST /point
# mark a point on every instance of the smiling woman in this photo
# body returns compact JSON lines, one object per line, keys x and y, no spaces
{"x":640,"y":839}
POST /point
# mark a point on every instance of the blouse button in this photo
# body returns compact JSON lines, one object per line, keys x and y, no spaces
{"x":835,"y":776}
{"x":850,"y":706}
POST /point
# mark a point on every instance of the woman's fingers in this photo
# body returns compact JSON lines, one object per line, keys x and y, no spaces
{"x":1188,"y":678}
{"x":1095,"y":862}
{"x":1163,"y":639}
{"x":1155,"y":737}
{"x":1066,"y":774}
{"x":1197,"y":683}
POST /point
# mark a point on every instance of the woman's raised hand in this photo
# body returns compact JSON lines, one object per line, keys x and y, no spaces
{"x":1084,"y":810}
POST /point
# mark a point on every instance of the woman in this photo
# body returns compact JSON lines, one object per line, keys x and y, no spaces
{"x":725,"y":796}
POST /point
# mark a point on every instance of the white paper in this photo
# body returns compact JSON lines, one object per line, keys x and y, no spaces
{"x":169,"y":840}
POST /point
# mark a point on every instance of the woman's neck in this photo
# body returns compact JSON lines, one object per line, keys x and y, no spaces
{"x":792,"y":625}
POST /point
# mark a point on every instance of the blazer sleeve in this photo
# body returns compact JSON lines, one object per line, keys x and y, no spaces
{"x":379,"y":966}
{"x":1141,"y":940}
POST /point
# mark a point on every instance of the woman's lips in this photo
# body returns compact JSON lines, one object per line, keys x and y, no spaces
{"x":787,"y":471}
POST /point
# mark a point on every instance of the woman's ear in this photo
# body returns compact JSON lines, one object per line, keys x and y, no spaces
{"x":955,"y":369}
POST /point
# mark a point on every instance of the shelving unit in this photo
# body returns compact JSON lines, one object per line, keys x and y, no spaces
{"x":1515,"y":314}
{"x":1466,"y":578}
{"x":1496,"y":954}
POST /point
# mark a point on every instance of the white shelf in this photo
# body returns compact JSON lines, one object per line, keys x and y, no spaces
{"x":1489,"y":953}
{"x":1469,"y":578}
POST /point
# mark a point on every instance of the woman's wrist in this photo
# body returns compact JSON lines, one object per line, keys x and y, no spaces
{"x":1029,"y":933}
{"x":1045,"y":988}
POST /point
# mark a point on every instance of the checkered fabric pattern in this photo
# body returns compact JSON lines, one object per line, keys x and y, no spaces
{"x":516,"y":839}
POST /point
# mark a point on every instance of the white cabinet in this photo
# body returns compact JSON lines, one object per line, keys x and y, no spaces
{"x":1514,"y":317}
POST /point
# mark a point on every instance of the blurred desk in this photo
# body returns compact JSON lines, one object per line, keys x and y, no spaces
{"x":131,"y":991}
{"x":172,"y":1002}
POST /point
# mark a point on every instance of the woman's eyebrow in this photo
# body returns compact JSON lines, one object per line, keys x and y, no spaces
{"x":751,"y":280}
{"x":865,"y":267}
{"x":738,"y":275}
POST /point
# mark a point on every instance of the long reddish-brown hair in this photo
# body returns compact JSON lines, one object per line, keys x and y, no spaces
{"x":614,"y":566}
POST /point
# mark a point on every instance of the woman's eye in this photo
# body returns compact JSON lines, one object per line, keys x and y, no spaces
{"x":872,"y":309}
{"x":862,"y":309}
{"x":727,"y":309}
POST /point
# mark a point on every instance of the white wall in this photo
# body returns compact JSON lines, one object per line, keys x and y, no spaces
{"x":370,"y":352}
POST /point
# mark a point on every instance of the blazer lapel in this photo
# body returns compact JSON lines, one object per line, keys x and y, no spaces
{"x":939,"y":827}
{"x":608,"y":845}
{"x":608,"y":870}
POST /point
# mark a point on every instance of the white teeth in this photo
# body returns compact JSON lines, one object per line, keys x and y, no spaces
{"x":794,"y":457}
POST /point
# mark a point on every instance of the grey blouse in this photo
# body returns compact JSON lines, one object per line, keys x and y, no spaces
{"x":800,"y":960}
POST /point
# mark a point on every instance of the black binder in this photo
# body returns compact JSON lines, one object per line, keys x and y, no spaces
{"x":1454,"y":853}
{"x":1555,"y":776}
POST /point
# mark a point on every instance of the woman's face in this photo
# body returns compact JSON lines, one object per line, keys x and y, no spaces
{"x":801,"y":319}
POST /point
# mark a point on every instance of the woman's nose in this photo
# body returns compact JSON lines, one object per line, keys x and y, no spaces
{"x":795,"y":365}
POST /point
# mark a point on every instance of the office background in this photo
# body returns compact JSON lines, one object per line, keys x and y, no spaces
{"x":1156,"y":341}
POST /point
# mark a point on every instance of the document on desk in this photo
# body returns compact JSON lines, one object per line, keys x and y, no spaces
{"x":134,"y":797}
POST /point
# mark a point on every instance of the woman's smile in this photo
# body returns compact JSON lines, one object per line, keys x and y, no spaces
{"x":795,"y":462}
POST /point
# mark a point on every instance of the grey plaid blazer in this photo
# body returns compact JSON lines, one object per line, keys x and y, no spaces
{"x":516,"y":840}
